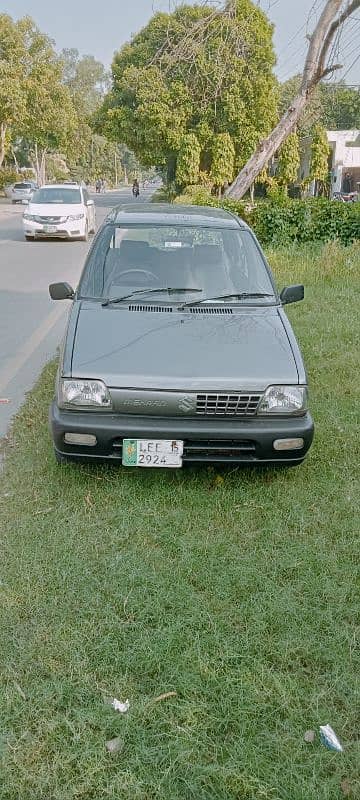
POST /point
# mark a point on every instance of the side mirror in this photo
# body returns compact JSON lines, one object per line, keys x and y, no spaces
{"x":90,"y":203}
{"x":61,"y":291}
{"x":292,"y":294}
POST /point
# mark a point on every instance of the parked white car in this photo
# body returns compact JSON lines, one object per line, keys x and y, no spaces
{"x":22,"y":191}
{"x":63,"y":211}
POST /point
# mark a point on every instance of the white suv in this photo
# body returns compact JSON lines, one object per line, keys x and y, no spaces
{"x":60,"y":210}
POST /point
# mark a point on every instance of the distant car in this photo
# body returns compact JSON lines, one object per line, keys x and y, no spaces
{"x":22,"y":191}
{"x":178,"y":348}
{"x":61,"y":211}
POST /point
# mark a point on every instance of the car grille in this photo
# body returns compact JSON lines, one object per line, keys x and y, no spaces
{"x":49,"y":220}
{"x":234,"y":405}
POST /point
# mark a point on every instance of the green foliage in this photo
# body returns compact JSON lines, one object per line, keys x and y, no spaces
{"x":188,"y":160}
{"x":341,"y":107}
{"x":289,"y":160}
{"x":320,"y":150}
{"x":34,"y":103}
{"x":223,"y":159}
{"x":12,"y":84}
{"x":336,"y":107}
{"x":286,"y":221}
{"x":86,"y":80}
{"x":8,"y":176}
{"x":198,"y":70}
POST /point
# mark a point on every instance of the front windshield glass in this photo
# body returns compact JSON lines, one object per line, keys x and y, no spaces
{"x":215,"y":260}
{"x":57,"y":195}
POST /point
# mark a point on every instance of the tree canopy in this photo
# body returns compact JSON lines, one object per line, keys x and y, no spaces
{"x":335,"y":106}
{"x":200,"y":71}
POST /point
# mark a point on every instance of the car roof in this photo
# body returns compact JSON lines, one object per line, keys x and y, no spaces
{"x":167,"y":214}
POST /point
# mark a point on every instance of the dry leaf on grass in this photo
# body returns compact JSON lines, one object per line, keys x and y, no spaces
{"x":164,"y":696}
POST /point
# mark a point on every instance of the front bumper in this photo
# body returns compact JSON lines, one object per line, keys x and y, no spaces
{"x":228,"y":440}
{"x":63,"y":230}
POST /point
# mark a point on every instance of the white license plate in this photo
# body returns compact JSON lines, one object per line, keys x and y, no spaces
{"x":152,"y":453}
{"x":49,"y":228}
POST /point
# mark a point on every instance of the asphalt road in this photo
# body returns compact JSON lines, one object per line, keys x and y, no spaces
{"x":31,"y":325}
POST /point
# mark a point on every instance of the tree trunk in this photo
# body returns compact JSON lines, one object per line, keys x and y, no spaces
{"x":314,"y":70}
{"x":39,"y":164}
{"x":43,"y":167}
{"x":3,"y":129}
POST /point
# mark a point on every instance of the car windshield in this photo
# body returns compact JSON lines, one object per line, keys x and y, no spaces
{"x":22,"y":185}
{"x":217,"y":261}
{"x":57,"y":195}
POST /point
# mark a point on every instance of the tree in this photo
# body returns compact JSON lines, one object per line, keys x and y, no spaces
{"x":313,"y":111}
{"x":335,"y":106}
{"x":51,"y":119}
{"x":34,"y":104}
{"x":197,"y":69}
{"x":319,"y":159}
{"x":289,"y":160}
{"x":86,"y":79}
{"x":333,"y":15}
{"x":12,"y":89}
{"x":223,"y":159}
{"x":341,"y":107}
{"x":188,"y":162}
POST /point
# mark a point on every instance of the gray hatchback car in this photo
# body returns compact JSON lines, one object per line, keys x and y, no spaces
{"x":178,"y":348}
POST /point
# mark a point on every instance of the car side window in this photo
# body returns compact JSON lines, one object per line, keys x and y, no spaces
{"x":85,"y":196}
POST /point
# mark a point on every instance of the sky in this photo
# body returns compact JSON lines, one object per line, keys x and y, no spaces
{"x":101,"y":29}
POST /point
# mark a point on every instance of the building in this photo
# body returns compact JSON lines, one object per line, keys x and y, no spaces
{"x":344,"y":161}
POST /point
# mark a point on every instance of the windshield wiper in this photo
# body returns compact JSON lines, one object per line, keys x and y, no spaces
{"x":237,"y":295}
{"x":169,"y":289}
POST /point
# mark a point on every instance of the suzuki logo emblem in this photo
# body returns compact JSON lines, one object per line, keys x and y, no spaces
{"x":187,"y":404}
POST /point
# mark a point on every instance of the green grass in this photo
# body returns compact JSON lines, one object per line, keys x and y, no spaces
{"x":238,"y":590}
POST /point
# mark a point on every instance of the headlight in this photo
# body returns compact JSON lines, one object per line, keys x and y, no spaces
{"x":284,"y":400}
{"x":83,"y":394}
{"x":29,"y":217}
{"x":74,"y":217}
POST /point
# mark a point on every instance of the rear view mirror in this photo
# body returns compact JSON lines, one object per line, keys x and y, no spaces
{"x":61,"y":291}
{"x":292,"y":294}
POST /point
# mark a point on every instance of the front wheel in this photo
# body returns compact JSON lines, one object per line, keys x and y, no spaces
{"x":86,"y":234}
{"x":30,"y":238}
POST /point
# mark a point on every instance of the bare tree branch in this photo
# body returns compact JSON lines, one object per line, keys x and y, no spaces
{"x":314,"y":70}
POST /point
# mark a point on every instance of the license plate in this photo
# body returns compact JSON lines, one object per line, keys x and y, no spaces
{"x":49,"y":228}
{"x":152,"y":453}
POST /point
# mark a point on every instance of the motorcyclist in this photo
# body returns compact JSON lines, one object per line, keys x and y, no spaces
{"x":136,"y":188}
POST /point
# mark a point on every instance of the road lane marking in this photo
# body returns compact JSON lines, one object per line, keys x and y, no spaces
{"x":15,"y":364}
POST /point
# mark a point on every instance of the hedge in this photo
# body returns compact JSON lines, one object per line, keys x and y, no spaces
{"x":314,"y":219}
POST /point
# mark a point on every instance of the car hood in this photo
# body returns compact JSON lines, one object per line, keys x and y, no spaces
{"x":247,"y":349}
{"x":54,"y":209}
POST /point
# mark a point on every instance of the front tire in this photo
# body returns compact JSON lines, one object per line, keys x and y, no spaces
{"x":30,"y":238}
{"x":86,"y":234}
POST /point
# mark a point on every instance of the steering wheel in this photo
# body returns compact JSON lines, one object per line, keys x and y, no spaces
{"x":146,"y":272}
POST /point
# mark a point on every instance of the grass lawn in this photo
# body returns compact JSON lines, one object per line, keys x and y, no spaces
{"x":235,"y":589}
